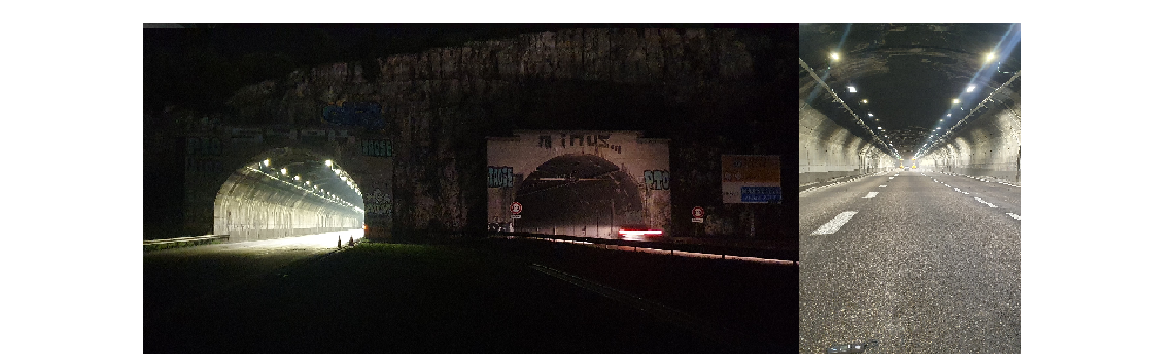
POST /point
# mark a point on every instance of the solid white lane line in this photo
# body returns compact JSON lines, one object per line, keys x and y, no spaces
{"x":985,"y":202}
{"x":834,"y":225}
{"x":891,"y":177}
{"x":883,"y":185}
{"x":1015,"y":216}
{"x":871,"y":194}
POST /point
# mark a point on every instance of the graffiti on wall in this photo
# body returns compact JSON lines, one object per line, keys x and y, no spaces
{"x":203,"y":154}
{"x":565,"y":140}
{"x":361,"y":114}
{"x":375,"y":147}
{"x":500,"y":177}
{"x":657,"y":180}
{"x":378,"y":203}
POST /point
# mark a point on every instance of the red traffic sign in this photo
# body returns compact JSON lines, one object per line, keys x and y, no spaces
{"x":516,"y":208}
{"x":698,"y":212}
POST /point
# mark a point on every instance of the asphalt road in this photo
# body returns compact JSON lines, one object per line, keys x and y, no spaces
{"x":923,"y":262}
{"x":293,"y":296}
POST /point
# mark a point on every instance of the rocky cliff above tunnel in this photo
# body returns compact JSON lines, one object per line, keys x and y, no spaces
{"x":439,"y":105}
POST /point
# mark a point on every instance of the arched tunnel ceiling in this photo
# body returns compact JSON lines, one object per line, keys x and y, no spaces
{"x":906,"y":76}
{"x":312,"y":169}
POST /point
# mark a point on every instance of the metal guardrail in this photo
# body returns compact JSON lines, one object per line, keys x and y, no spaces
{"x":714,"y":249}
{"x":164,"y":243}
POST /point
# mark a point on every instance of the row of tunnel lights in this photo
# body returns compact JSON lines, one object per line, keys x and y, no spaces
{"x":956,"y":101}
{"x":316,"y":190}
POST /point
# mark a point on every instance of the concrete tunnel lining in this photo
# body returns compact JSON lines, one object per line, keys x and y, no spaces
{"x":252,"y":205}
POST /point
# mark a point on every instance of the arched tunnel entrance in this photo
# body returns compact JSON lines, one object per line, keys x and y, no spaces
{"x":287,"y":192}
{"x":578,"y":195}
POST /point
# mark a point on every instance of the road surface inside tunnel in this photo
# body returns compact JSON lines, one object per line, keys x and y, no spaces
{"x":922,"y":261}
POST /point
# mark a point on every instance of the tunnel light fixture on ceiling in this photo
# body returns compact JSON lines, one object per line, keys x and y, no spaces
{"x":955,"y":100}
{"x":851,"y":89}
{"x":949,"y":115}
{"x":869,"y":114}
{"x":969,"y":88}
{"x":864,"y":101}
{"x":835,"y":56}
{"x":989,"y":57}
{"x":297,"y":178}
{"x":267,"y":162}
{"x":283,"y":171}
{"x":328,"y":163}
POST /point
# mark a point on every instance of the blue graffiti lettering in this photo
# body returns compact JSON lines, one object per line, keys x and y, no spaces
{"x":362,"y":114}
{"x":657,"y":179}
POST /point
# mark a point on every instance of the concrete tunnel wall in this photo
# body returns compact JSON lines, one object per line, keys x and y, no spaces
{"x":828,"y":150}
{"x":991,"y":145}
{"x":251,"y":206}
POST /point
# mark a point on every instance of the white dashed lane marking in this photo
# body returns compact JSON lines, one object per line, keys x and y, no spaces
{"x":871,"y":194}
{"x":891,"y":177}
{"x":1015,"y":216}
{"x":883,"y":185}
{"x":985,"y":202}
{"x":834,"y":225}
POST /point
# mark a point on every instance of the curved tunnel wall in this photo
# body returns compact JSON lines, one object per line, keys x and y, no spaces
{"x":828,"y":150}
{"x":989,"y":146}
{"x":251,"y":206}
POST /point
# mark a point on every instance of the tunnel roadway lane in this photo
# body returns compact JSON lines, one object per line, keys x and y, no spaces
{"x":919,"y":266}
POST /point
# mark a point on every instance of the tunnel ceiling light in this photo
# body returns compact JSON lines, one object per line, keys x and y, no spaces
{"x":949,"y":115}
{"x":869,"y":114}
{"x":864,"y":101}
{"x":267,"y":162}
{"x":956,"y":100}
{"x":297,"y":178}
{"x":328,"y":163}
{"x":989,"y":57}
{"x":969,"y":88}
{"x":283,"y":171}
{"x":835,"y":56}
{"x":851,"y":89}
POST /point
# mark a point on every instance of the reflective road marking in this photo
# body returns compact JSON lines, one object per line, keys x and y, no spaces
{"x":883,"y":185}
{"x":834,"y":225}
{"x":1015,"y":216}
{"x":871,"y":194}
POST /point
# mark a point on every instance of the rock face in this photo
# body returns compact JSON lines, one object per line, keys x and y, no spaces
{"x":438,"y":106}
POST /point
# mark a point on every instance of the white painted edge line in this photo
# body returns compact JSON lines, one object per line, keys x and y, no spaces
{"x":883,"y":185}
{"x":1015,"y":216}
{"x":834,"y":225}
{"x":871,"y":194}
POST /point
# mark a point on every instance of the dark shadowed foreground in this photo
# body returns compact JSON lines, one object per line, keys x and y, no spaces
{"x":473,"y":296}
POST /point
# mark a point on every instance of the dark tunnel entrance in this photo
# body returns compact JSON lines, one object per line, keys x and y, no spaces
{"x":578,"y":195}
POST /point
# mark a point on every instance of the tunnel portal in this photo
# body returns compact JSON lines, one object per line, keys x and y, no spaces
{"x":579,"y":195}
{"x":287,"y":192}
{"x":584,"y":183}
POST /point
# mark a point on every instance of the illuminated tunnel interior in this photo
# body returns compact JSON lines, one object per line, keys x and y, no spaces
{"x":284,"y":193}
{"x":945,"y":97}
{"x":578,"y":195}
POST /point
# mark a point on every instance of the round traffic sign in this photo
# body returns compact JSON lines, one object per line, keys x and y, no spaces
{"x":516,"y":208}
{"x":698,"y":212}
